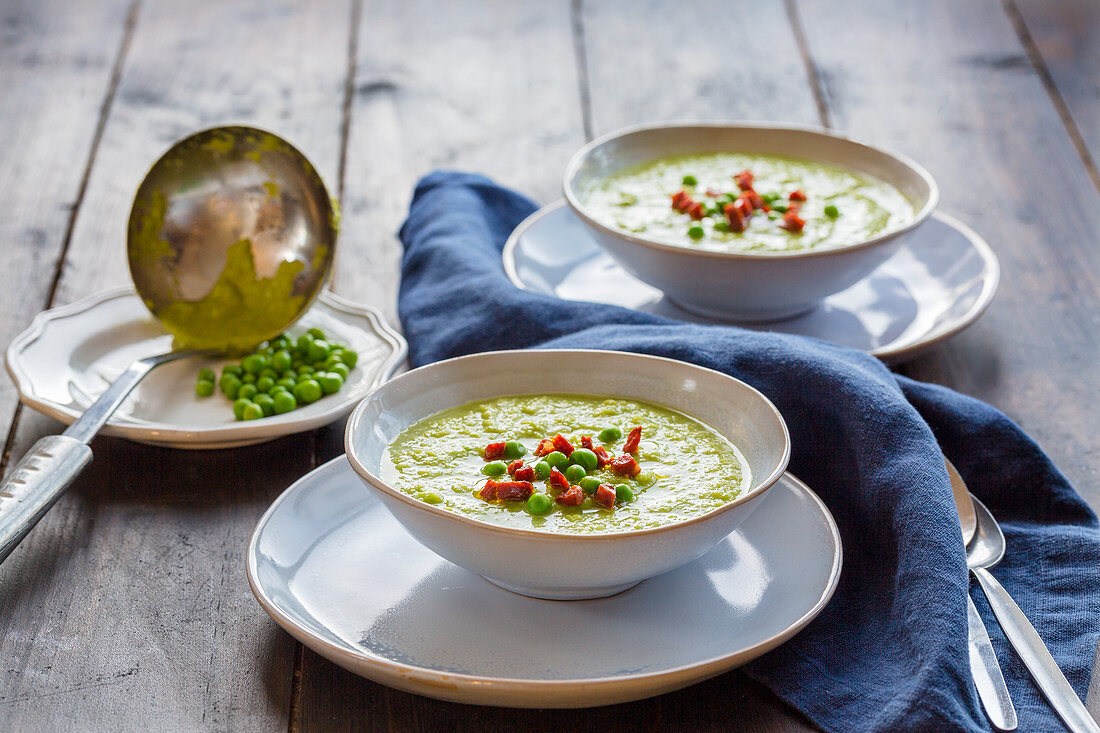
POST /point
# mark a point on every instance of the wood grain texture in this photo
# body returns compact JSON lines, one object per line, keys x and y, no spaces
{"x":1066,"y":35}
{"x":970,"y":107}
{"x":438,"y":96}
{"x":661,"y":60}
{"x":56,"y":62}
{"x":128,"y":608}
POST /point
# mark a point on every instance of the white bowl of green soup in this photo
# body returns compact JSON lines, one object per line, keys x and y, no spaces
{"x":746,"y":222}
{"x":567,"y":473}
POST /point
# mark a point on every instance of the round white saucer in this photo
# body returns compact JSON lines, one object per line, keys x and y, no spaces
{"x":333,"y":568}
{"x":939,"y":282}
{"x":69,"y":355}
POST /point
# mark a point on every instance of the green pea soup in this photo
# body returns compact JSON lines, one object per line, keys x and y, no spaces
{"x":687,"y":468}
{"x":842,"y":206}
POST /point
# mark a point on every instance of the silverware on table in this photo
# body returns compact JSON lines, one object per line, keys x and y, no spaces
{"x":984,"y":668}
{"x":985,"y":551}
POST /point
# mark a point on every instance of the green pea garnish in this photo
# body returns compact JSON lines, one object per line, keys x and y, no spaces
{"x":831,"y":211}
{"x":557,"y":459}
{"x":575,"y":473}
{"x":539,"y":504}
{"x":589,"y":484}
{"x":514,"y":449}
{"x":610,"y":435}
{"x":584,"y":458}
{"x":494,"y":468}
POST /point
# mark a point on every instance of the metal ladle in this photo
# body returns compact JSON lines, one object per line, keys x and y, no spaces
{"x":230,"y":239}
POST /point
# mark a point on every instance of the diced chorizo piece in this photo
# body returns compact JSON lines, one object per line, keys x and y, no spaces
{"x":515,"y":466}
{"x":745,"y":180}
{"x":527,"y":473}
{"x":494,"y":451}
{"x":604,"y":496}
{"x":602,"y":456}
{"x":514,"y":490}
{"x":756,"y":200}
{"x":625,"y":465}
{"x":586,"y":442}
{"x":736,"y":219}
{"x":545,"y":447}
{"x":680,"y":200}
{"x":560,"y":443}
{"x":792,"y":222}
{"x":573,"y":497}
{"x":744,"y":206}
{"x":633,"y":438}
{"x":489,"y":490}
{"x":506,"y":490}
{"x":695,"y":210}
{"x":558,"y":480}
{"x":797,"y":195}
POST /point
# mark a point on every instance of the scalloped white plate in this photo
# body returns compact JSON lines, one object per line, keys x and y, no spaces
{"x":336,"y":570}
{"x":69,"y":355}
{"x":935,"y":285}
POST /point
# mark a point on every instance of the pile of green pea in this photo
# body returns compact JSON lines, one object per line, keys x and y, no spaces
{"x":281,"y":375}
{"x":577,"y":468}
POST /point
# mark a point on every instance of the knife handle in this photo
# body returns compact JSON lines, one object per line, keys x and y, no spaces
{"x":1031,"y":649}
{"x":987,"y":673}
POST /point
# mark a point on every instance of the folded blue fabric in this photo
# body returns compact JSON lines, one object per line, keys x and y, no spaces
{"x":889,"y":652}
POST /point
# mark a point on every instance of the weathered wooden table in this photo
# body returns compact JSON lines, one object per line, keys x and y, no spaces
{"x":127,"y":608}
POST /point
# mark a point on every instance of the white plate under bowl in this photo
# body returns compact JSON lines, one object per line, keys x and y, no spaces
{"x":69,"y":355}
{"x":335,"y":569}
{"x":936,"y":284}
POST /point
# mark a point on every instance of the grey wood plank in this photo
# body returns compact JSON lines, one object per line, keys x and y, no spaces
{"x":128,"y":608}
{"x":56,"y":63}
{"x":970,"y":107}
{"x":1066,"y":37}
{"x":441,"y":97}
{"x":660,"y":60}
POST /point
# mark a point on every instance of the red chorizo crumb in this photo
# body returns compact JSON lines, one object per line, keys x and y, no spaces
{"x":506,"y":490}
{"x":560,"y":443}
{"x":633,"y":438}
{"x":625,"y":465}
{"x":604,"y":496}
{"x":573,"y":497}
{"x":494,"y":451}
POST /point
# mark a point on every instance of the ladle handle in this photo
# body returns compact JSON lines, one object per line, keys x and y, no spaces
{"x":46,"y":471}
{"x":33,"y":486}
{"x":1035,"y":655}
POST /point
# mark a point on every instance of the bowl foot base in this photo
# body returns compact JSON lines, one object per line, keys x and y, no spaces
{"x":564,"y":594}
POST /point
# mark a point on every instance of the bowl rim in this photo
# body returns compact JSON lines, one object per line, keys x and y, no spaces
{"x":744,"y":497}
{"x":580,"y":155}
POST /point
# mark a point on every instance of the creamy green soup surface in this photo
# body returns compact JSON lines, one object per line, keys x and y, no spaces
{"x":683,"y":468}
{"x":840,"y":206}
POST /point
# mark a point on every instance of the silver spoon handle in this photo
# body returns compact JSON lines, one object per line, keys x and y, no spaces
{"x":44,"y":473}
{"x":987,"y":673}
{"x":1029,"y":645}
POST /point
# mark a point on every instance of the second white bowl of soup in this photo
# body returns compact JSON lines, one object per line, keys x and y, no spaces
{"x":746,"y":222}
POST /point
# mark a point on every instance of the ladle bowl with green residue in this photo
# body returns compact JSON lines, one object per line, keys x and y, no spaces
{"x":231,"y":237}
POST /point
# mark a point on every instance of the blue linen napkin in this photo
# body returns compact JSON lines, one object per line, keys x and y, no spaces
{"x":889,"y":652}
